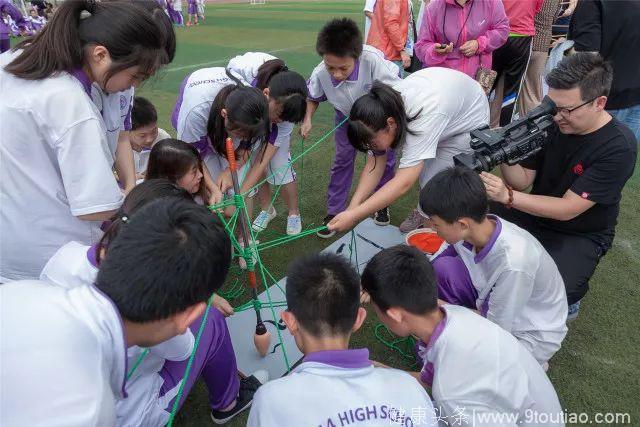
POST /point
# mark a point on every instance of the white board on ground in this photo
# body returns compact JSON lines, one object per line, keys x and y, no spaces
{"x":369,"y":240}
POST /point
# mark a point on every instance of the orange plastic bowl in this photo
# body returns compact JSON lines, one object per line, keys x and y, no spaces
{"x":424,"y":239}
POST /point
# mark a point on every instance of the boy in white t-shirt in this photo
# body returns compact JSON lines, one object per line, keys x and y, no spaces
{"x":144,"y":133}
{"x":141,"y":298}
{"x":334,"y":385}
{"x":494,"y":266}
{"x":477,"y":371}
{"x":347,"y":71}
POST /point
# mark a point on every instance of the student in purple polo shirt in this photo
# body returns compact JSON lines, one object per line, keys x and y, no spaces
{"x":347,"y":71}
{"x":494,"y":266}
{"x":334,"y":385}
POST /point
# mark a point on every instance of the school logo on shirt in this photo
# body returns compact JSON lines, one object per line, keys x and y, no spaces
{"x":578,"y":169}
{"x":123,"y":102}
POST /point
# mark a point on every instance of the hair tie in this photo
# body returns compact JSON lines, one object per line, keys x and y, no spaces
{"x":124,"y":219}
{"x":285,"y":68}
{"x":90,"y":6}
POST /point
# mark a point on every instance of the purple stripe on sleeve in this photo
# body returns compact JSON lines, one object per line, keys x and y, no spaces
{"x":176,"y":108}
{"x":82,"y":77}
{"x":203,"y":146}
{"x":273,"y":135}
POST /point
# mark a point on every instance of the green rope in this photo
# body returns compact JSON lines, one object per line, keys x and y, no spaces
{"x":185,"y":377}
{"x":268,"y":292}
{"x":259,"y":305}
{"x":137,"y":363}
{"x":286,"y":239}
{"x":296,"y":158}
{"x":403,"y":346}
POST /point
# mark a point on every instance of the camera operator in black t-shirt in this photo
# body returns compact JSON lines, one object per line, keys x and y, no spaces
{"x":577,"y":177}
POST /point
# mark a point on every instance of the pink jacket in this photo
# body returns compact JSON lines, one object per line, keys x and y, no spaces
{"x":481,"y":20}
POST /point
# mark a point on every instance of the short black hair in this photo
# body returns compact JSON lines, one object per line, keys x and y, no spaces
{"x":323,"y":292}
{"x":585,"y":70}
{"x":454,"y":193}
{"x":143,"y":113}
{"x":170,"y":255}
{"x":340,"y":37}
{"x":401,"y":276}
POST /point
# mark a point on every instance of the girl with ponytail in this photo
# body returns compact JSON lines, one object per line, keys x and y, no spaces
{"x":56,"y":174}
{"x":428,"y":117}
{"x":214,"y":104}
{"x":286,"y":92}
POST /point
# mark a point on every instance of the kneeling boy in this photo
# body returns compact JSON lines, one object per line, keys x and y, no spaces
{"x":334,"y":385}
{"x":477,"y":371}
{"x":494,"y":266}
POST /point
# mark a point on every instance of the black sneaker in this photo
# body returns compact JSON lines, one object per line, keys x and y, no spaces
{"x":248,"y":387}
{"x":326,"y":234}
{"x":382,"y":217}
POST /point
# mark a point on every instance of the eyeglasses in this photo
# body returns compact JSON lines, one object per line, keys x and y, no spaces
{"x":567,"y":111}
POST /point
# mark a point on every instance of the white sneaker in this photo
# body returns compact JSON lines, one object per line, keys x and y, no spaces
{"x":263,"y":219}
{"x":294,"y":225}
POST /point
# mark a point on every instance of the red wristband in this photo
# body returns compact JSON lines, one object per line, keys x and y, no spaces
{"x":509,"y":203}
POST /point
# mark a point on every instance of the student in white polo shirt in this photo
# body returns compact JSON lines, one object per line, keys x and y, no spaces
{"x":334,"y":385}
{"x":347,"y":70}
{"x":477,"y":371}
{"x":56,"y":177}
{"x":428,"y":116}
{"x":214,"y":104}
{"x":287,"y":94}
{"x":116,"y":108}
{"x":144,"y":133}
{"x":494,"y":266}
{"x":144,"y":295}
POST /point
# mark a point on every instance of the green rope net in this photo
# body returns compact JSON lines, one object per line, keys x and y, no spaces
{"x":250,"y":252}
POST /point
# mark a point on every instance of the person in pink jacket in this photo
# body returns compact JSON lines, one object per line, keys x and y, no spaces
{"x":461,"y":34}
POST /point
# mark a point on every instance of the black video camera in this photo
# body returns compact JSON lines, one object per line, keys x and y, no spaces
{"x":510,"y":144}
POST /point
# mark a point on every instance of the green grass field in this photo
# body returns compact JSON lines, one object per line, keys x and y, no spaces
{"x":598,"y":367}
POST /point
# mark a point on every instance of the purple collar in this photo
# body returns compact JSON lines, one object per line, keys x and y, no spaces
{"x":350,"y":359}
{"x":437,"y":331}
{"x":92,"y":256}
{"x":494,"y":236}
{"x":492,"y":240}
{"x":351,"y":78}
{"x":254,"y":83}
{"x":82,"y":77}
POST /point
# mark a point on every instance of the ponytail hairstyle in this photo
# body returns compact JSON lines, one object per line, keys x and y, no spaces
{"x":287,"y":88}
{"x":127,"y":30}
{"x":247,"y":112}
{"x":141,"y":195}
{"x":172,"y":159}
{"x":369,"y":115}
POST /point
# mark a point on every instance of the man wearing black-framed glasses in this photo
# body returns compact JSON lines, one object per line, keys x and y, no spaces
{"x":577,"y":178}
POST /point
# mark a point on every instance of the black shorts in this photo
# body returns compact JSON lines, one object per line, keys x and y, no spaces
{"x":576,"y":256}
